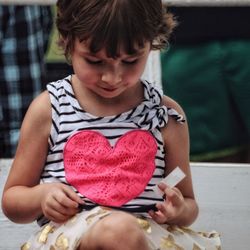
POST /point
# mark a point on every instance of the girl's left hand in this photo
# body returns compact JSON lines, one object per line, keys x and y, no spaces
{"x":171,"y":209}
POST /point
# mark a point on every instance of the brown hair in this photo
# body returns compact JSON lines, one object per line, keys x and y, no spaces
{"x":113,"y":24}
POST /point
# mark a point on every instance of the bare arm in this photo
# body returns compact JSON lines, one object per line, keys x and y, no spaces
{"x":24,"y":199}
{"x":181,"y":207}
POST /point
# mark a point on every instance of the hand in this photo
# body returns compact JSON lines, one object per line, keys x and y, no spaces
{"x":59,"y":202}
{"x":171,"y":209}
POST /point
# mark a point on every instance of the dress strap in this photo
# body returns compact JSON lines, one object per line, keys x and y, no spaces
{"x":178,"y":117}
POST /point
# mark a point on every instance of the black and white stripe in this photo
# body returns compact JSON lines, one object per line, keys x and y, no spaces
{"x":68,"y":118}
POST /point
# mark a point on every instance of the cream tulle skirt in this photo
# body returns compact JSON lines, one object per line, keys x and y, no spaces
{"x":67,"y":236}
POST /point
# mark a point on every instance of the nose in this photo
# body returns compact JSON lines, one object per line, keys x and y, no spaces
{"x":111,"y":76}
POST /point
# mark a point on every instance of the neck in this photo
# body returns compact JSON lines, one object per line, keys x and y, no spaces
{"x":100,"y":106}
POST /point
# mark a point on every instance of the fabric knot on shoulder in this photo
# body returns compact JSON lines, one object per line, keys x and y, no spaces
{"x":156,"y":117}
{"x":178,"y":117}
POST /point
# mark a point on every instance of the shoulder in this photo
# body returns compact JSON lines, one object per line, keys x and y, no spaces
{"x":33,"y":141}
{"x":171,"y":103}
{"x":39,"y":113}
{"x":41,"y":104}
{"x":176,"y":138}
{"x":174,"y":132}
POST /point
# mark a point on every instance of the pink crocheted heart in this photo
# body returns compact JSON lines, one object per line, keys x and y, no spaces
{"x":110,"y":176}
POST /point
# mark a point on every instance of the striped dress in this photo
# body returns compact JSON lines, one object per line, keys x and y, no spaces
{"x":68,"y":118}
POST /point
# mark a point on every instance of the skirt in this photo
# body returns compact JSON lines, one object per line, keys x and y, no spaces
{"x":67,"y":236}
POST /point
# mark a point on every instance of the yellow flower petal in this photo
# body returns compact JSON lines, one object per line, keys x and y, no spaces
{"x":174,"y":229}
{"x":101,"y":211}
{"x":196,"y":247}
{"x":144,"y":224}
{"x":62,"y":242}
{"x":169,"y":243}
{"x":44,"y":234}
{"x":25,"y":246}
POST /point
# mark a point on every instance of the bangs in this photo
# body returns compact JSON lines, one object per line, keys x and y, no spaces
{"x":116,"y":31}
{"x":116,"y":25}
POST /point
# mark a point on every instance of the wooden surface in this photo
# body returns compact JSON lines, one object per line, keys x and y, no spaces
{"x":223,"y":193}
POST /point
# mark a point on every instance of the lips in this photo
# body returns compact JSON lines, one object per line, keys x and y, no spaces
{"x":110,"y":89}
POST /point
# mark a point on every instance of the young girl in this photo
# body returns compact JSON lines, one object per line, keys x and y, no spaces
{"x":93,"y":146}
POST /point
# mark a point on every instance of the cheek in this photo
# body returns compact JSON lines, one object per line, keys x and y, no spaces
{"x":132,"y":75}
{"x":86,"y":74}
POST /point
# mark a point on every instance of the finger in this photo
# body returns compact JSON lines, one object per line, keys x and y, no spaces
{"x":65,"y":210}
{"x":72,"y":194}
{"x":52,"y":211}
{"x":64,"y":203}
{"x":166,"y":189}
{"x":162,"y":186}
{"x":161,"y":214}
{"x":174,"y":196}
{"x":163,"y":209}
{"x":56,"y":216}
{"x":53,"y":204}
{"x":70,"y":198}
{"x":158,"y":217}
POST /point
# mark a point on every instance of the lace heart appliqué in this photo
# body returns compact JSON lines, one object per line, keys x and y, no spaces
{"x":110,"y":176}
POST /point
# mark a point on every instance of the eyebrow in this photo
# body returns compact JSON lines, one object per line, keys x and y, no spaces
{"x":138,"y":53}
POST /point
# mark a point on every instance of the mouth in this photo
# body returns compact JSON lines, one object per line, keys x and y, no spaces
{"x":109,"y":89}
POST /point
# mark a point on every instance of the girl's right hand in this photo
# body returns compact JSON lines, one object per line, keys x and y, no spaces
{"x":59,"y":202}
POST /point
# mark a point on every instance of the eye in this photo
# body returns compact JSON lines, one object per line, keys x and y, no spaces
{"x":130,"y":62}
{"x":93,"y":61}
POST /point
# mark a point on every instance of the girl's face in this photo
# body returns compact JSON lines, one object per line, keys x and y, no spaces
{"x":105,"y":76}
